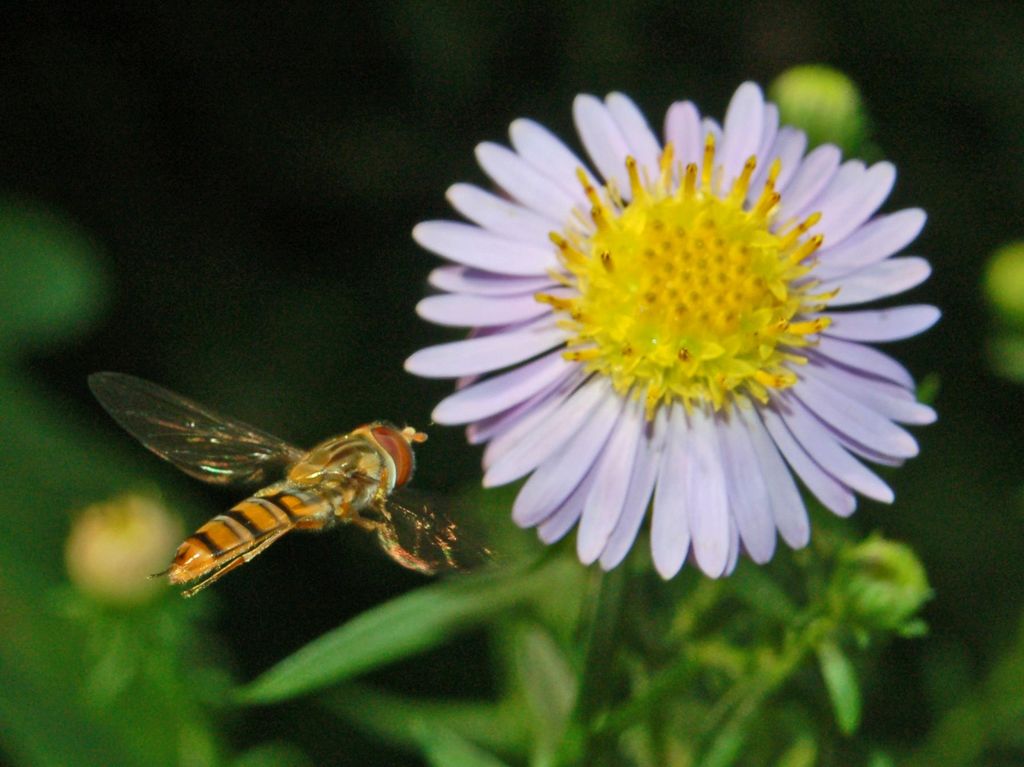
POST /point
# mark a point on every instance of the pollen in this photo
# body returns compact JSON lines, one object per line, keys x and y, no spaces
{"x":687,"y":292}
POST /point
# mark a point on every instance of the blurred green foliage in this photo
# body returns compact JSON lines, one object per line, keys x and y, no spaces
{"x":64,"y":658}
{"x":237,"y":191}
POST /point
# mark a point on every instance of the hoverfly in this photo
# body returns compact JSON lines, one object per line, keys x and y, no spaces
{"x":343,"y":480}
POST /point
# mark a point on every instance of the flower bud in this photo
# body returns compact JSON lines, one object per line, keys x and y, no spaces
{"x":114,"y":547}
{"x":883,"y":585}
{"x":823,"y":102}
{"x":1004,"y":282}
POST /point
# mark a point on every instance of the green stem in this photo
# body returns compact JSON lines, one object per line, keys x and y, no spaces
{"x":601,"y":638}
{"x":646,"y":702}
{"x":744,"y":700}
{"x":641,"y":707}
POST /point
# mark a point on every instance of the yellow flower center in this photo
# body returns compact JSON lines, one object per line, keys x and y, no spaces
{"x":685,"y":294}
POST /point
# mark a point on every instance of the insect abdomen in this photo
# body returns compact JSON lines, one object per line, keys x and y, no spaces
{"x":244,"y":526}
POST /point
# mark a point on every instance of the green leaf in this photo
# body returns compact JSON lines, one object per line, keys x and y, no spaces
{"x":409,"y":624}
{"x":396,"y":719}
{"x":843,"y":688}
{"x":443,"y":748}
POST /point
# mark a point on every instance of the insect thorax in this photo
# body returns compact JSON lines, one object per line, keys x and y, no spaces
{"x":351,"y":465}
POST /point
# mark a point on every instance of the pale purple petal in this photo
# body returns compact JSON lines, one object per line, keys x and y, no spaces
{"x":768,"y":132}
{"x":744,"y":125}
{"x":787,"y":505}
{"x":463,"y":311}
{"x":833,"y":495}
{"x":874,"y":241}
{"x":888,"y":399}
{"x":472,"y":246}
{"x":603,"y":140}
{"x":764,"y":157}
{"x":849,"y":206}
{"x":530,"y":447}
{"x":503,"y":430}
{"x":548,"y":155}
{"x":788,"y":148}
{"x":819,"y":443}
{"x":481,"y":355}
{"x":643,"y":145}
{"x":707,"y":504}
{"x":848,"y":178}
{"x":559,"y":474}
{"x":814,"y":174}
{"x":638,"y":497}
{"x":501,"y":392}
{"x":872,"y":455}
{"x":670,"y":527}
{"x":854,"y":419}
{"x":882,"y":325}
{"x":605,"y":502}
{"x":461,"y":279}
{"x":748,"y":493}
{"x":734,"y":548}
{"x":683,"y":131}
{"x":499,"y":215}
{"x":892,"y":276}
{"x":865,"y":359}
{"x":525,"y":183}
{"x":561,"y":520}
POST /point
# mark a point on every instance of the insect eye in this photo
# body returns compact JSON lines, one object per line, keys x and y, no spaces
{"x":398,"y":447}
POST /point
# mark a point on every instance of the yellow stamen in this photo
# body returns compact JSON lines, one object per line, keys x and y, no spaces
{"x":665,"y":169}
{"x":687,"y":295}
{"x":709,"y":162}
{"x":690,"y":184}
{"x":635,"y":187}
{"x":742,"y":183}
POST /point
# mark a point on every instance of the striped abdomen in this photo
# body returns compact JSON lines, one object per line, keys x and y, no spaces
{"x":246,"y":526}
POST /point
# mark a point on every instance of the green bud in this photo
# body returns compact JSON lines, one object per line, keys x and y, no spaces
{"x":1004,"y":282}
{"x":824,"y":103}
{"x":882,"y":585}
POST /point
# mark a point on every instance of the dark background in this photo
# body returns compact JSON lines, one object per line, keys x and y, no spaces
{"x":251,"y":173}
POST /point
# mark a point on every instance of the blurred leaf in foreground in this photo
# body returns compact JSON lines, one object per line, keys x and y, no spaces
{"x":443,"y":748}
{"x":396,"y":719}
{"x":409,"y":624}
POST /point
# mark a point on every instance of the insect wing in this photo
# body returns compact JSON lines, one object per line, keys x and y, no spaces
{"x":201,"y":443}
{"x":420,"y":537}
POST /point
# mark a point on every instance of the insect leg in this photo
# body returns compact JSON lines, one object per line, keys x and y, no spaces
{"x":350,"y":515}
{"x":377,"y":502}
{"x":347,"y":514}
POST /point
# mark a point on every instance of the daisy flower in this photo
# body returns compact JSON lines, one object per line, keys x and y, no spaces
{"x":668,"y":328}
